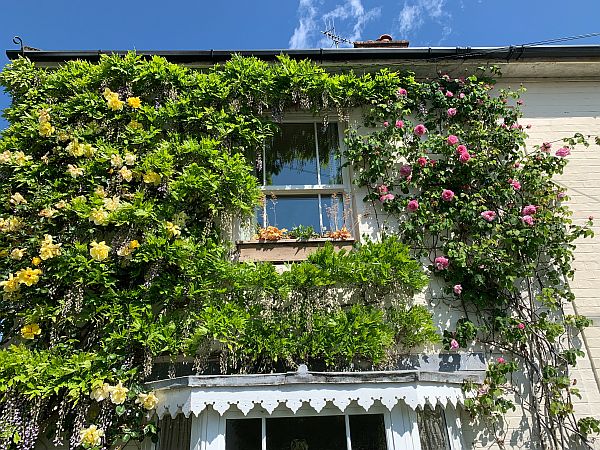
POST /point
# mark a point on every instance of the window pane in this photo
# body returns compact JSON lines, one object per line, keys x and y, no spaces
{"x":174,"y":434}
{"x":432,"y":429}
{"x":243,"y":434}
{"x":289,"y":212}
{"x":291,"y":157}
{"x":306,"y":433}
{"x":331,"y":169}
{"x":367,"y":432}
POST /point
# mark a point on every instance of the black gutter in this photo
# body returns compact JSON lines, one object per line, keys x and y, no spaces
{"x":327,"y":54}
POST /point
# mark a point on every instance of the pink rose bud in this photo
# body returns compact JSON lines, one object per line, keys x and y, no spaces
{"x":412,"y":206}
{"x":457,"y":289}
{"x":449,"y":94}
{"x":420,"y":130}
{"x":454,"y":344}
{"x":546,"y":146}
{"x":452,"y":140}
{"x":461,"y":95}
{"x":521,"y":326}
{"x":399,"y":123}
{"x":519,"y":102}
{"x":447,"y":195}
{"x":451,"y":112}
{"x":386,"y":124}
{"x":515,"y":184}
{"x":422,"y":161}
{"x":590,"y":218}
{"x":441,"y":263}
{"x":382,"y":189}
{"x":501,"y":360}
{"x":401,"y":92}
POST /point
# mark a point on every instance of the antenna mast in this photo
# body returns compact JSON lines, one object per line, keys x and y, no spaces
{"x":336,"y":39}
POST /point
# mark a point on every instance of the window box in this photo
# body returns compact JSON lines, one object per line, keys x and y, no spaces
{"x":285,"y":250}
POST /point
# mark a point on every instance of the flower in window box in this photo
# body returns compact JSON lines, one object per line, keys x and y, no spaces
{"x":271,"y":233}
{"x":341,"y":234}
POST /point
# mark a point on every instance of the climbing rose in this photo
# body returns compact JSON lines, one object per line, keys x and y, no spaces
{"x":461,"y":149}
{"x":561,"y":195}
{"x":501,"y":360}
{"x":449,"y":94}
{"x":401,"y":92}
{"x":546,"y":146}
{"x":464,"y":157}
{"x":461,"y":95}
{"x":488,"y":215}
{"x":405,"y":170}
{"x":451,"y":112}
{"x":562,"y":152}
{"x":527,"y":220}
{"x":457,"y":289}
{"x":413,"y":205}
{"x":382,"y":189}
{"x":399,"y":123}
{"x":454,"y":344}
{"x":447,"y":195}
{"x":521,"y":326}
{"x":386,"y":197}
{"x":422,"y":161}
{"x":420,"y":129}
{"x":515,"y":184}
{"x":452,"y":140}
{"x":441,"y":263}
{"x":386,"y":124}
{"x":529,"y":210}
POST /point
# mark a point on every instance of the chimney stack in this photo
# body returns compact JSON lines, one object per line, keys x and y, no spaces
{"x":384,"y":41}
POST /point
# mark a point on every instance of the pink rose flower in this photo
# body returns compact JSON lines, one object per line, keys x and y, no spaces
{"x":461,"y":149}
{"x":464,"y":157}
{"x":386,"y":197}
{"x":422,"y":161}
{"x":451,"y":112}
{"x":383,"y":189}
{"x":515,"y":184}
{"x":412,"y":206}
{"x":405,"y":170}
{"x":449,"y":94}
{"x":441,"y":263}
{"x":461,"y":95}
{"x":488,"y":215}
{"x":401,"y":92}
{"x":454,"y":344}
{"x":546,"y":146}
{"x":527,"y":220}
{"x":420,"y":130}
{"x":529,"y":210}
{"x":399,"y":124}
{"x":447,"y":195}
{"x":521,"y":326}
{"x":386,"y":124}
{"x":457,"y":289}
{"x":501,"y":360}
{"x":562,"y":152}
{"x":452,"y":140}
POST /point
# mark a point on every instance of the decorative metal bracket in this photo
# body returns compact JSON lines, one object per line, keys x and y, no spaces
{"x":18,"y":41}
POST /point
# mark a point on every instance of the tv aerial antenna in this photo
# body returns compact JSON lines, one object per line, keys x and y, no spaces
{"x":335,"y":38}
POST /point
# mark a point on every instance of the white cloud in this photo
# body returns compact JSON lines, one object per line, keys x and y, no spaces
{"x":349,"y":18}
{"x":414,"y":14}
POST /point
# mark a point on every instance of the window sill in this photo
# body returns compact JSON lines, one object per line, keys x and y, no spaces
{"x":285,"y":250}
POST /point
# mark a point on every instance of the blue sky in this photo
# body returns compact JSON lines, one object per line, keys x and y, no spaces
{"x":234,"y":24}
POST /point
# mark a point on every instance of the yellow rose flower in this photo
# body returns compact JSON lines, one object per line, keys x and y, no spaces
{"x":148,"y":401}
{"x":91,"y":436}
{"x":29,"y":276}
{"x":172,"y":229}
{"x":88,"y":150}
{"x":10,"y":285}
{"x":134,"y":102}
{"x":129,"y":248}
{"x":17,"y":199}
{"x":36,"y":261}
{"x":47,"y":212}
{"x":20,"y":158}
{"x":118,"y":394}
{"x":63,"y":137}
{"x":10,"y":224}
{"x":46,"y":129}
{"x":100,"y":392}
{"x":49,"y":249}
{"x":100,"y":192}
{"x":112,"y":203}
{"x":116,"y":161}
{"x":30,"y":331}
{"x":74,"y":148}
{"x":60,"y":205}
{"x":99,"y":250}
{"x":152,"y":178}
{"x":130,"y":159}
{"x":5,"y":157}
{"x":74,"y":171}
{"x":99,"y":216}
{"x":126,"y":174}
{"x":43,"y":116}
{"x":17,"y":253}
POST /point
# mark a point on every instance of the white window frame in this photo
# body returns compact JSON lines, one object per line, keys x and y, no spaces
{"x":319,"y":189}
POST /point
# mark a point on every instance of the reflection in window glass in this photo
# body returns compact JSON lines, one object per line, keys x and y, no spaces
{"x":432,"y":429}
{"x":367,"y":432}
{"x":291,"y":158}
{"x":330,"y":167}
{"x":289,"y":212}
{"x":306,"y":433}
{"x":243,"y":434}
{"x":332,"y":207}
